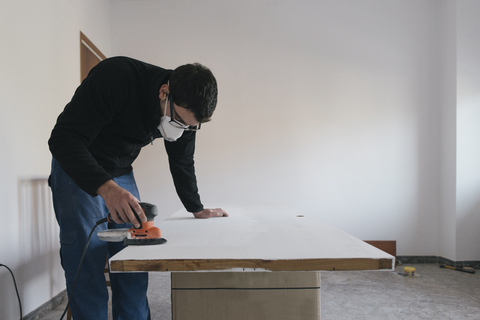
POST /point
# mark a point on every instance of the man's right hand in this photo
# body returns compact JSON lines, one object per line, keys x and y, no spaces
{"x":120,"y":202}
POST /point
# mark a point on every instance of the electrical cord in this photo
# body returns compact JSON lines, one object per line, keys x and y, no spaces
{"x":99,"y":222}
{"x":16,"y":289}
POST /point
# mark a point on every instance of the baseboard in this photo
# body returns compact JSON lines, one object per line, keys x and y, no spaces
{"x":47,"y":307}
{"x":436,"y":259}
{"x":390,"y":247}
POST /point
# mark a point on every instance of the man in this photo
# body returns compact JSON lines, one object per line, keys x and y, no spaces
{"x":122,"y":105}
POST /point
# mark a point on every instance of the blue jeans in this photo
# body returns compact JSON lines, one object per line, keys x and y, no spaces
{"x":76,"y":213}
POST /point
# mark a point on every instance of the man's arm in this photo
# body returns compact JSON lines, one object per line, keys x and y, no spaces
{"x":93,"y":106}
{"x":180,"y":158}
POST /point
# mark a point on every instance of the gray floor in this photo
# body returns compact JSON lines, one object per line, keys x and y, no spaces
{"x":433,"y":294}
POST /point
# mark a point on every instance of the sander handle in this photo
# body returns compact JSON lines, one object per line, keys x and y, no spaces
{"x":150,"y":210}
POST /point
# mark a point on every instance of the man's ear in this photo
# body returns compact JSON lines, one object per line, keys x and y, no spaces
{"x":163,"y":91}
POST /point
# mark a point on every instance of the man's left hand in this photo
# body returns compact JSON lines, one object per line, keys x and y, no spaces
{"x":210,"y":213}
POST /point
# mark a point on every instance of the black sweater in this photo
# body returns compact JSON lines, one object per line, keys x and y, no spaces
{"x":112,"y":115}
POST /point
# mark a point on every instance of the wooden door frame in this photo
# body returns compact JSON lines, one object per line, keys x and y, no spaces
{"x":88,"y":51}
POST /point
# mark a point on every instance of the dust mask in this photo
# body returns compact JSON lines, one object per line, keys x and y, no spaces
{"x":168,"y":131}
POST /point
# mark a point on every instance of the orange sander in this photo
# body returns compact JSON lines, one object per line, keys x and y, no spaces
{"x":146,"y":234}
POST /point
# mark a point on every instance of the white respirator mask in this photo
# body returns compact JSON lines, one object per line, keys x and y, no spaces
{"x":169,"y":132}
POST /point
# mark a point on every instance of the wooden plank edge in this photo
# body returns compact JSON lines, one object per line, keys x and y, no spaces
{"x":116,"y":265}
{"x":255,"y":264}
{"x":388,"y":246}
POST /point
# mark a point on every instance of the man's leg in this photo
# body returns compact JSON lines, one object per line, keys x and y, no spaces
{"x":129,"y":290}
{"x":77,"y":212}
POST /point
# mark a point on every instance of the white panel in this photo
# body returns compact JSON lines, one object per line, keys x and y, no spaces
{"x":266,"y":232}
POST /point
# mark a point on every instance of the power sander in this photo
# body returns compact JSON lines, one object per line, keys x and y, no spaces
{"x":146,"y":234}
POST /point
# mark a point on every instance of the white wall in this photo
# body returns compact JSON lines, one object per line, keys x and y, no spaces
{"x":448,"y":94}
{"x":468,"y":131}
{"x":39,"y":70}
{"x":330,"y":106}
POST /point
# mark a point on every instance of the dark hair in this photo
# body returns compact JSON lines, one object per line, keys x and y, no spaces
{"x":193,"y":87}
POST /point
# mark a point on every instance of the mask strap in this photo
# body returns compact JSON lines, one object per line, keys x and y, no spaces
{"x":165,"y":109}
{"x":171,"y":108}
{"x":166,"y":101}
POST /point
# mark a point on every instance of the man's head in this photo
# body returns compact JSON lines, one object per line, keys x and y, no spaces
{"x":193,"y":87}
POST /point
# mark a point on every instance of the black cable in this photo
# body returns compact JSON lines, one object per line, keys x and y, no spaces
{"x":16,"y":289}
{"x":80,"y":264}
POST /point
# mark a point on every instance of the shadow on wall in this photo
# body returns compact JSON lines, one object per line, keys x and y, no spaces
{"x":40,"y":239}
{"x":37,"y":217}
{"x":468,"y":236}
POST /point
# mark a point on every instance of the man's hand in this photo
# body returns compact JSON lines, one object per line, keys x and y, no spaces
{"x":209,"y":213}
{"x":120,"y":202}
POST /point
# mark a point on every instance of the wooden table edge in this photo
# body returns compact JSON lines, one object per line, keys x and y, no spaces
{"x":255,"y":264}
